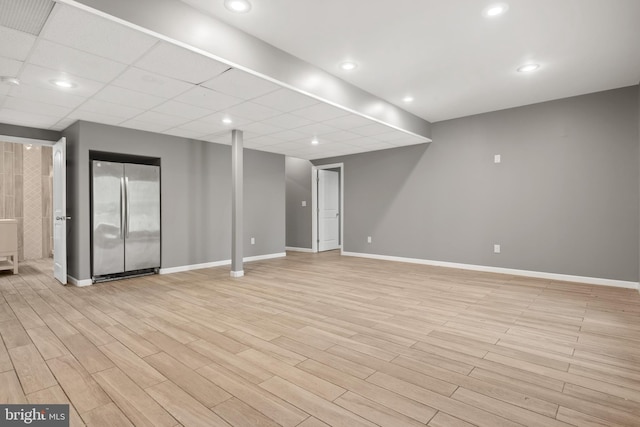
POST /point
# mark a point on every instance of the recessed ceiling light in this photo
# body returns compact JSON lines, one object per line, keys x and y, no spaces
{"x":238,"y":6}
{"x":408,"y":99}
{"x":315,"y":141}
{"x":527,"y":68}
{"x":495,"y":10}
{"x":348,"y":65}
{"x":64,"y":84}
{"x":227,"y":121}
{"x":10,"y":80}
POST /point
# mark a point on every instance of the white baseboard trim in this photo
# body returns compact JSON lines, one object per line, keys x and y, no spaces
{"x":184,"y":268}
{"x":79,"y":283}
{"x":294,"y":249}
{"x":500,"y":270}
{"x":263,"y":257}
{"x":236,"y":274}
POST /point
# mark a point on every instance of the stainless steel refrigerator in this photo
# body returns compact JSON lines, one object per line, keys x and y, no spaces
{"x":125,"y":219}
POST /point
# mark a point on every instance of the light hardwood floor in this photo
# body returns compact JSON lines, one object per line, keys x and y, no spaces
{"x":314,"y":340}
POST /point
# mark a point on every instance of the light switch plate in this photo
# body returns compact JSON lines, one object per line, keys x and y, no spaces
{"x":496,"y":249}
{"x":304,"y":203}
{"x":497,"y":158}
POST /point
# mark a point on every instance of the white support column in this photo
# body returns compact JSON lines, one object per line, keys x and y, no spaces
{"x":236,"y":204}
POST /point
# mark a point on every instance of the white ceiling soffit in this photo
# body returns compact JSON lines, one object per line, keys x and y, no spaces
{"x":27,"y":16}
{"x":123,"y":77}
{"x":186,"y":26}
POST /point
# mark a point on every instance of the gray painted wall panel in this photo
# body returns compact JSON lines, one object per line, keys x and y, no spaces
{"x":264,"y":202}
{"x":28,"y":132}
{"x":196,"y":194}
{"x":565,"y":198}
{"x":299,"y":218}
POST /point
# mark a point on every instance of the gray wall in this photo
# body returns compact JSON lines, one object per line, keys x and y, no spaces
{"x":565,"y":198}
{"x":27,"y":132}
{"x":298,"y":173}
{"x":196,"y":195}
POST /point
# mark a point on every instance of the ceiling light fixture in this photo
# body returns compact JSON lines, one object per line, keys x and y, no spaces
{"x":495,"y":10}
{"x":238,"y":6}
{"x":63,"y":84}
{"x":527,"y":68}
{"x":14,"y":81}
{"x":348,"y":65}
{"x":227,"y":121}
{"x":408,"y":99}
{"x":315,"y":141}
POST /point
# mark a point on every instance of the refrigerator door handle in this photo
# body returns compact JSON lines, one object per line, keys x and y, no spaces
{"x":126,"y":188}
{"x":122,"y":208}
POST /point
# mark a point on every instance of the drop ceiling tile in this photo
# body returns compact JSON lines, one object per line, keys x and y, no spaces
{"x":264,"y":140}
{"x":288,"y":135}
{"x":341,"y":135}
{"x":372,"y":129}
{"x":128,"y":97}
{"x":320,"y":112}
{"x":15,"y":44}
{"x":389,"y":136}
{"x":9,"y":67}
{"x":75,"y":62}
{"x":216,"y":119}
{"x":110,"y":109}
{"x":219,"y":138}
{"x":146,"y":126}
{"x":161,"y":119}
{"x":241,"y":84}
{"x":181,"y":109}
{"x":36,"y":107}
{"x":63,"y":124}
{"x":203,"y":128}
{"x":348,"y":122}
{"x":261,"y":128}
{"x":22,"y":118}
{"x":408,"y":140}
{"x":207,"y":98}
{"x":151,"y":83}
{"x":316,"y":129}
{"x":48,"y":96}
{"x":94,"y":117}
{"x":185,"y":133}
{"x":251,"y":111}
{"x":85,"y":31}
{"x":289,"y":121}
{"x":363,"y":141}
{"x":285,"y":100}
{"x":181,"y":64}
{"x":41,"y":76}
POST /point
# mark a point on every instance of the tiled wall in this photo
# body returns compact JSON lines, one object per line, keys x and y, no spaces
{"x":25,"y":194}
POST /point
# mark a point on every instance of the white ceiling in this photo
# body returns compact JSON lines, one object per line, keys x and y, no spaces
{"x":126,"y":78}
{"x":451,"y":58}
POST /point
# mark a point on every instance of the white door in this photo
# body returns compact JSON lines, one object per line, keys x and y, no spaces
{"x":60,"y":211}
{"x":328,"y":210}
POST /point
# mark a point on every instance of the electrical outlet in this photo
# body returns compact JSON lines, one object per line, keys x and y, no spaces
{"x":253,"y":240}
{"x":304,"y":203}
{"x":368,"y":239}
{"x":496,"y":249}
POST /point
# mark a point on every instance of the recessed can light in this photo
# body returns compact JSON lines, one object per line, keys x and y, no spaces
{"x":348,"y":65}
{"x":227,"y":121}
{"x":495,"y":10}
{"x":14,"y":81}
{"x":408,"y":99}
{"x":238,"y":6}
{"x":527,"y":68}
{"x":315,"y":141}
{"x":63,"y":84}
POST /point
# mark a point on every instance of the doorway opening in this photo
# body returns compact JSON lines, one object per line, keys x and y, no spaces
{"x":27,"y":195}
{"x":328,"y":207}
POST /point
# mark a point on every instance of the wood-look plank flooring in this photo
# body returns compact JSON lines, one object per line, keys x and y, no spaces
{"x":322,"y":340}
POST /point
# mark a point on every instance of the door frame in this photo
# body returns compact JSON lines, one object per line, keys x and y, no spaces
{"x":33,"y":141}
{"x":314,"y":204}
